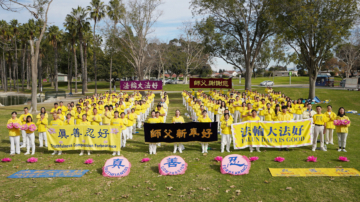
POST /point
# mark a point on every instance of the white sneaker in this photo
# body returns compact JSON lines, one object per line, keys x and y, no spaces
{"x":53,"y":153}
{"x":40,"y":146}
{"x":89,"y":153}
{"x":32,"y":153}
{"x":339,"y":150}
{"x":344,"y":150}
{"x":313,"y":149}
{"x":258,"y":150}
{"x":26,"y":153}
{"x":228,"y":150}
{"x":323,"y":149}
{"x":118,"y":153}
{"x":326,"y":143}
{"x":81,"y":153}
{"x":114,"y":153}
{"x":331,"y":143}
{"x":251,"y":151}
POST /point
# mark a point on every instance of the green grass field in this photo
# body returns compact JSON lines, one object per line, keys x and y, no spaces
{"x":202,"y":180}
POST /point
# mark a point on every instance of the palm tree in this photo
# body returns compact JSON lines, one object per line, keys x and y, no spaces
{"x":30,"y":30}
{"x":15,"y":25}
{"x":81,"y":23}
{"x":54,"y":35}
{"x":23,"y":39}
{"x":97,"y":12}
{"x":70,"y":25}
{"x":115,"y":11}
{"x":4,"y":37}
{"x":87,"y":43}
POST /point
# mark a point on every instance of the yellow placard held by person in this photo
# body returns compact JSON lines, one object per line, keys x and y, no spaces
{"x":314,"y":172}
{"x":273,"y":134}
{"x":84,"y":137}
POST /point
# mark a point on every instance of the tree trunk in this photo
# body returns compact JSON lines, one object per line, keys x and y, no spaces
{"x":40,"y":72}
{"x":248,"y":75}
{"x":85,"y":67}
{"x":4,"y":71}
{"x":95,"y":68}
{"x":28,"y":71}
{"x":10,"y":70}
{"x":82,"y":66}
{"x":34,"y":77}
{"x":111,"y":61}
{"x":23,"y":68}
{"x":16,"y":66}
{"x":75,"y":65}
{"x":312,"y":84}
{"x":68,"y":75}
{"x":56,"y":68}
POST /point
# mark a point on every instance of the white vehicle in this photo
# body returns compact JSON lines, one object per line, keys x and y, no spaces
{"x":267,"y":83}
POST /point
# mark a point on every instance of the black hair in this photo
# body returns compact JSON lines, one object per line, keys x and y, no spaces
{"x":14,"y":112}
{"x":26,"y":108}
{"x":284,"y":107}
{"x":339,"y":111}
{"x":28,"y":118}
{"x":253,"y":110}
{"x":329,"y":106}
{"x":56,"y":103}
{"x":275,"y":109}
{"x":318,"y":106}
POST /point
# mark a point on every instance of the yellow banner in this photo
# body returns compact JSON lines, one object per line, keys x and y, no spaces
{"x":314,"y":172}
{"x":77,"y":137}
{"x":273,"y":134}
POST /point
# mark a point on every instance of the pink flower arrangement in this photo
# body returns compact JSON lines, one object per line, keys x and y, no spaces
{"x":337,"y":122}
{"x":24,"y":127}
{"x":6,"y":160}
{"x":10,"y":126}
{"x":32,"y":127}
{"x":343,"y":158}
{"x":311,"y":159}
{"x":254,"y":158}
{"x":32,"y":160}
{"x":59,"y":160}
{"x":16,"y":125}
{"x":89,"y":161}
{"x":345,"y":122}
{"x":218,"y":158}
{"x":145,"y":160}
{"x":279,"y":159}
{"x":51,"y":130}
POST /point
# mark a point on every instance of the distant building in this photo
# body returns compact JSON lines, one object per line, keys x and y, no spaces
{"x":285,"y":73}
{"x":64,"y":77}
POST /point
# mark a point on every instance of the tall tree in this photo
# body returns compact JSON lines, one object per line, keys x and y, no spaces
{"x":81,"y":23}
{"x":70,"y":25}
{"x":234,"y":30}
{"x":312,"y":28}
{"x":97,"y":13}
{"x":115,"y":11}
{"x":137,"y":23}
{"x":54,"y":36}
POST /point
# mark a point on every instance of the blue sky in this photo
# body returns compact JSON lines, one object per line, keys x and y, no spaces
{"x":167,"y":28}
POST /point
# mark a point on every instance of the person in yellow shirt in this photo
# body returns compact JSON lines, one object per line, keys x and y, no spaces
{"x":124,"y":123}
{"x":30,"y":135}
{"x":226,"y":133}
{"x":60,"y":114}
{"x":56,"y":122}
{"x":153,"y":119}
{"x":247,"y":113}
{"x":78,"y":115}
{"x":69,"y":120}
{"x":261,"y":109}
{"x":204,"y":119}
{"x":14,"y":134}
{"x":284,"y":115}
{"x":237,"y":105}
{"x":161,"y":112}
{"x":137,"y":108}
{"x":298,"y":106}
{"x":84,"y":122}
{"x":331,"y":116}
{"x":134,"y":121}
{"x":319,"y":129}
{"x":55,"y":109}
{"x":178,"y":119}
{"x":95,"y":119}
{"x":130,"y":118}
{"x":116,"y":122}
{"x":63,"y":108}
{"x":253,"y":117}
{"x":42,"y":124}
{"x":23,"y":121}
{"x":42,"y":110}
{"x":342,"y":130}
{"x":268,"y":112}
{"x":106,"y":117}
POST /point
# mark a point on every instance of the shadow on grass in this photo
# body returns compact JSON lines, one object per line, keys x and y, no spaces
{"x":155,"y":169}
{"x":215,"y":167}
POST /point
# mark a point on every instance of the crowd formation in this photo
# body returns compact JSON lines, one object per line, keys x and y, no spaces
{"x":232,"y":106}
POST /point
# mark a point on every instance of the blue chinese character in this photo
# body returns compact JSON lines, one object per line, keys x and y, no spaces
{"x":272,"y":132}
{"x":286,"y":131}
{"x":62,"y":134}
{"x":90,"y":133}
{"x":117,"y":163}
{"x":234,"y":163}
{"x":246,"y":132}
{"x":313,"y":170}
{"x":172,"y":162}
{"x":285,"y":170}
{"x":297,"y":131}
{"x":103,"y":134}
{"x":76,"y":132}
{"x":258,"y":131}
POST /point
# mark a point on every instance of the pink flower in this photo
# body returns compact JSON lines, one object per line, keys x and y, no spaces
{"x":60,"y":142}
{"x":10,"y":126}
{"x":145,"y":160}
{"x":254,"y":158}
{"x":345,"y":122}
{"x":114,"y":130}
{"x":24,"y":127}
{"x":83,"y":141}
{"x":311,"y":159}
{"x":105,"y":141}
{"x":337,"y":122}
{"x":59,"y":160}
{"x":218,"y":158}
{"x":32,"y":160}
{"x":6,"y":160}
{"x":279,"y":159}
{"x":17,"y":125}
{"x":343,"y":158}
{"x":32,"y":127}
{"x":89,"y":161}
{"x":51,"y":130}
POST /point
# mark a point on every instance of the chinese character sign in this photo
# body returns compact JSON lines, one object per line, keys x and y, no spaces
{"x":210,"y":83}
{"x":180,"y":132}
{"x":140,"y":85}
{"x":275,"y":134}
{"x":76,"y":137}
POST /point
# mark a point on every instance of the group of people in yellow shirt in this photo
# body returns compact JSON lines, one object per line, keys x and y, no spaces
{"x":120,"y":109}
{"x":254,"y":106}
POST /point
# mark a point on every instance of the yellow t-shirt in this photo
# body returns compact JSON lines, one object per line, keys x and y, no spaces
{"x":42,"y":125}
{"x":153,"y":120}
{"x":14,"y":131}
{"x":179,"y":119}
{"x":56,"y":122}
{"x":250,"y":118}
{"x":226,"y":130}
{"x":24,"y":116}
{"x":320,"y":119}
{"x":71,"y":122}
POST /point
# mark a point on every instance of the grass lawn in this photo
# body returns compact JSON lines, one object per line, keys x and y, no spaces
{"x":202,"y":180}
